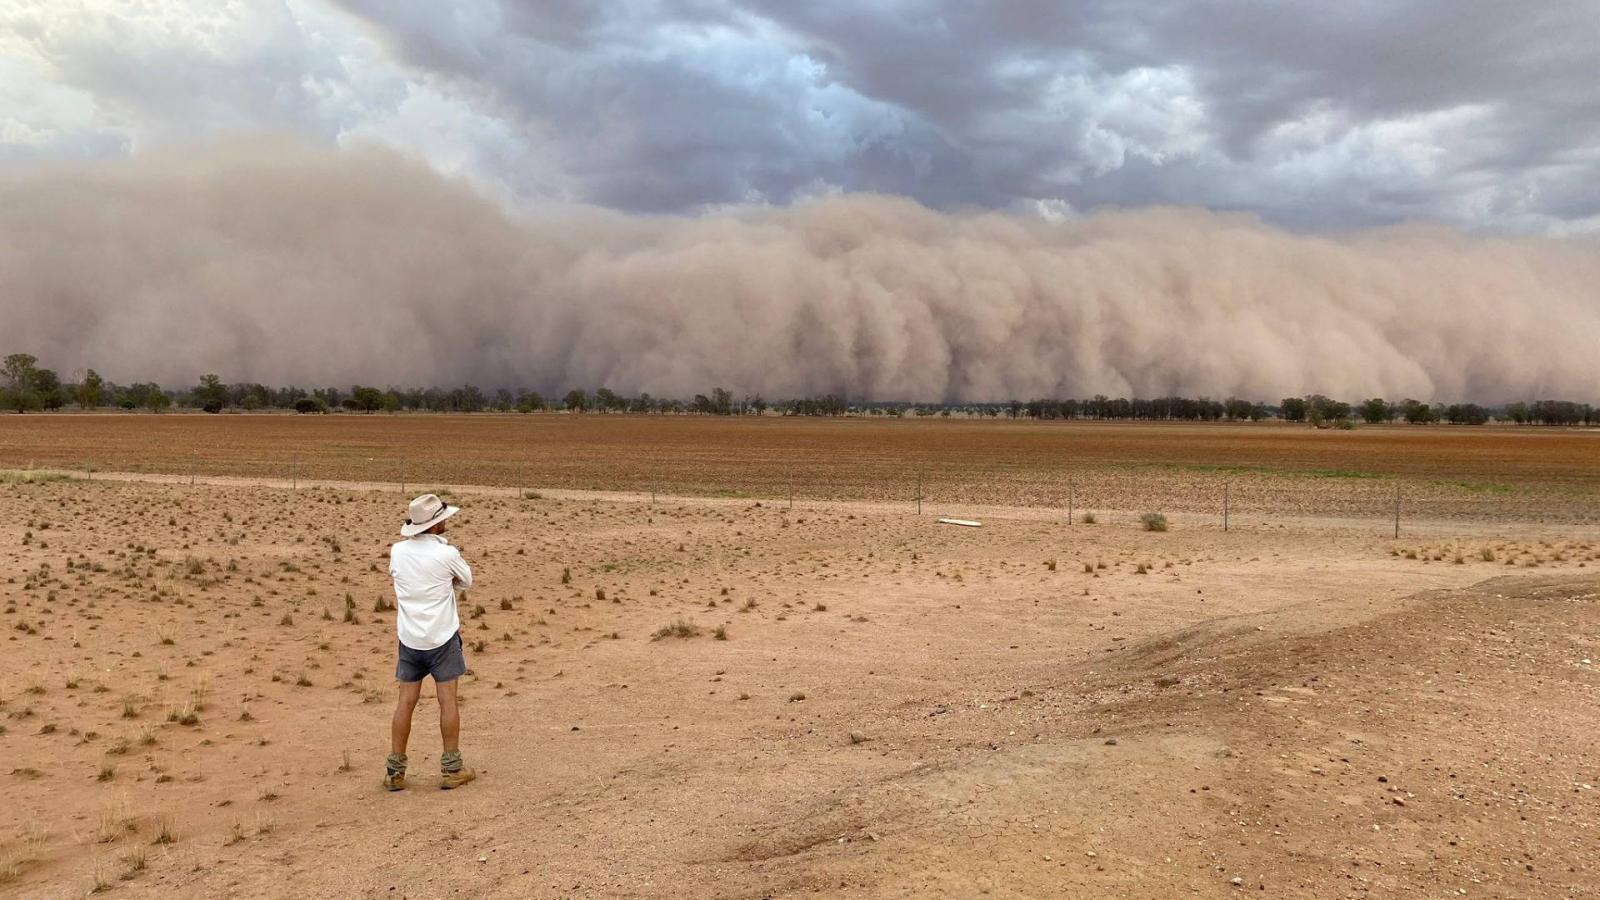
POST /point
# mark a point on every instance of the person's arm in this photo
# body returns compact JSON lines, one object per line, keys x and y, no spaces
{"x":461,"y":572}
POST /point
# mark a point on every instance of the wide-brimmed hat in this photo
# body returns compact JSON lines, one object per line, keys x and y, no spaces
{"x":426,"y":511}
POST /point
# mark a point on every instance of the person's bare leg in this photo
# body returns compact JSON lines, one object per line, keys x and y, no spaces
{"x":405,"y":705}
{"x":449,"y":716}
{"x":452,"y":774}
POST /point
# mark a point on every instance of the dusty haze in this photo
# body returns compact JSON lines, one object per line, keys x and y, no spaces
{"x":282,"y":263}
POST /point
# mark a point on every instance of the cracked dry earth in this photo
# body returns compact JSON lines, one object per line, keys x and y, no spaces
{"x":898,"y":708}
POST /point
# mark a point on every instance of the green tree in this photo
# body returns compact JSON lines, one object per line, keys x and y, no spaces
{"x":1417,"y":412}
{"x":47,"y":387}
{"x":1375,"y":410}
{"x":607,"y":399}
{"x":576,"y":400}
{"x":365,"y":399}
{"x":18,"y":401}
{"x":1236,"y":409}
{"x":1294,"y":409}
{"x":211,"y":394}
{"x":19,"y":370}
{"x":91,"y":391}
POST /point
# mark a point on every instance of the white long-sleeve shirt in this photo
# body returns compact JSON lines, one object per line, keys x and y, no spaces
{"x":427,"y":572}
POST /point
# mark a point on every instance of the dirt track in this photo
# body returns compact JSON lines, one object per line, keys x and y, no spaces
{"x":1257,"y":684}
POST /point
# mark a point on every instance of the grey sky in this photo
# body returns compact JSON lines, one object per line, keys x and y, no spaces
{"x":1478,"y":113}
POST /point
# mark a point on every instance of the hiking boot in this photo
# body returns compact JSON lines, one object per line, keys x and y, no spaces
{"x":448,"y":780}
{"x":394,"y":772}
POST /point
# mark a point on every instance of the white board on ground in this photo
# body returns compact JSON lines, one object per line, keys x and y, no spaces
{"x":967,"y":522}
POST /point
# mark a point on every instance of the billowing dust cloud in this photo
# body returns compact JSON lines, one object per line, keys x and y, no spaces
{"x":282,"y":263}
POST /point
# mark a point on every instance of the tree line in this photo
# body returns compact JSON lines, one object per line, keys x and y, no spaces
{"x":26,"y":386}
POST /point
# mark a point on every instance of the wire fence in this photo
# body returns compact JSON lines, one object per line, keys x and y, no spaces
{"x":1081,"y":495}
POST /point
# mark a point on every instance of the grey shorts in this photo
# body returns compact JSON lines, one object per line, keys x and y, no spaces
{"x":444,"y":662}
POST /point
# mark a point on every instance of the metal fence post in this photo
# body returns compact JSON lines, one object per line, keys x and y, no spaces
{"x":1397,"y":510}
{"x":294,"y":474}
{"x":1072,"y":487}
{"x":1225,"y":486}
{"x":919,"y":493}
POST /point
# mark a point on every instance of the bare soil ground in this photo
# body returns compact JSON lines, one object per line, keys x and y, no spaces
{"x":1494,"y":474}
{"x":1295,"y":708}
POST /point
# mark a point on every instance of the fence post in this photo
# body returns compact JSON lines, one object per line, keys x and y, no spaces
{"x":191,"y":468}
{"x":88,"y":468}
{"x":1072,"y":488}
{"x":294,"y":474}
{"x":791,"y":491}
{"x":1397,"y":510}
{"x":402,"y":476}
{"x":919,"y":493}
{"x":1225,"y":486}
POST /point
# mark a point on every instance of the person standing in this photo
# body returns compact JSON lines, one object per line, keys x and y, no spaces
{"x":427,"y":572}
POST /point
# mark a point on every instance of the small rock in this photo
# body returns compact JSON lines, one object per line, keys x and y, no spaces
{"x":1236,"y":881}
{"x":857,"y":737}
{"x":1111,"y":742}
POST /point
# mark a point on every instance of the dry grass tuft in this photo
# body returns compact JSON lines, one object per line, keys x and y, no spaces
{"x":114,"y":821}
{"x":678,"y":629}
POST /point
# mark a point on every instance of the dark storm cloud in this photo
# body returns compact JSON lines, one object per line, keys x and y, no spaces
{"x":1478,"y":112}
{"x":1314,"y":114}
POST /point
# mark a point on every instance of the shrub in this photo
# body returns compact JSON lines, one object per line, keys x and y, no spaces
{"x":678,"y":629}
{"x":1154,"y":521}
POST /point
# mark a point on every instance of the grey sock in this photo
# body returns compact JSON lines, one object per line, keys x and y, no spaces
{"x":450,"y":761}
{"x":396,"y":764}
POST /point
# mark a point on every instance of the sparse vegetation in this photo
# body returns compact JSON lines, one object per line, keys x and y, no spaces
{"x":837,"y":597}
{"x":677,"y":629}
